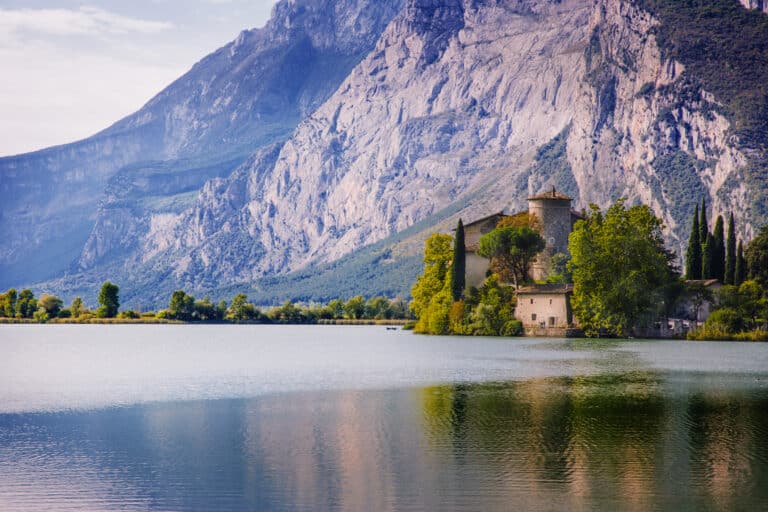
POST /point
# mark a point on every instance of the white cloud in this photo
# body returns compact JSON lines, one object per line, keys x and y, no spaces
{"x":82,"y":21}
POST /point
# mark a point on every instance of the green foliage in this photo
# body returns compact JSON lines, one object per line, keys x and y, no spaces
{"x":26,"y":304}
{"x":693,"y":255}
{"x":241,"y":310}
{"x":128,"y":315}
{"x":77,"y":308}
{"x":288,"y":313}
{"x":730,"y":253}
{"x":718,"y":261}
{"x":703,"y":231}
{"x":437,"y":256}
{"x":494,"y":309}
{"x":757,"y":258}
{"x":41,"y":315}
{"x":50,"y":304}
{"x":109,"y":300}
{"x":511,"y":251}
{"x":459,"y":266}
{"x":181,"y":307}
{"x":708,"y":259}
{"x":741,"y":265}
{"x":355,"y":307}
{"x":620,"y":268}
{"x":8,"y":303}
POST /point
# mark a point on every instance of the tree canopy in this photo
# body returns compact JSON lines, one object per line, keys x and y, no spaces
{"x":756,"y":256}
{"x":620,"y":268}
{"x":109,"y":300}
{"x":511,"y":251}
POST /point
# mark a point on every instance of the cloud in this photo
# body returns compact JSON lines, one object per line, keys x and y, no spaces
{"x":82,"y":21}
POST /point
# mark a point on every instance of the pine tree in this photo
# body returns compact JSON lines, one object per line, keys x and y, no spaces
{"x":730,"y":253}
{"x":693,"y":253}
{"x":718,"y":261}
{"x":703,"y":227}
{"x":741,"y":266}
{"x":708,"y":261}
{"x":458,"y":269}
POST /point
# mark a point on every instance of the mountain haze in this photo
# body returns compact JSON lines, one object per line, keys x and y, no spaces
{"x":310,"y":157}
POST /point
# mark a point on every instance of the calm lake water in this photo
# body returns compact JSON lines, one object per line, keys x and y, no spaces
{"x":178,"y":418}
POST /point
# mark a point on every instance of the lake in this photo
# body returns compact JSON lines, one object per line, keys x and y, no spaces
{"x":350,"y":418}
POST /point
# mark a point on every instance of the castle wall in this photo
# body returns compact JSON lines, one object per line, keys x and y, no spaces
{"x":554,"y":216}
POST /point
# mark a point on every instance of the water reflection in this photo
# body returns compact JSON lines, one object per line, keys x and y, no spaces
{"x":638,"y":441}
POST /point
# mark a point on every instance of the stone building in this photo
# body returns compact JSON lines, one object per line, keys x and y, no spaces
{"x":545,"y":309}
{"x":555,"y":220}
{"x":476,"y":265}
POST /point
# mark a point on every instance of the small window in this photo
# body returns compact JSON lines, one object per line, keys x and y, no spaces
{"x":551,"y":321}
{"x":550,"y":302}
{"x":531,"y":301}
{"x":533,"y":317}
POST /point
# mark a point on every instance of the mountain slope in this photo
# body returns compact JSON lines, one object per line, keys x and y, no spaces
{"x":460,"y":108}
{"x":246,"y":95}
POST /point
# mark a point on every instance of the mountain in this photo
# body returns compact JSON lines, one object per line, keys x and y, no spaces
{"x":76,"y":206}
{"x":454,"y":108}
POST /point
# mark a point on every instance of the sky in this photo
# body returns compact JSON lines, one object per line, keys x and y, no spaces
{"x":72,"y":68}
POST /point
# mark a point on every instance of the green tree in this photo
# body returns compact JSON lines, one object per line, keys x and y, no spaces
{"x":730,"y":253}
{"x":205,"y":310}
{"x":241,"y":309}
{"x":51,"y":304}
{"x":511,"y":251}
{"x":620,"y":268}
{"x":437,"y":256}
{"x":378,"y":308}
{"x":459,"y":266}
{"x":718,"y":259}
{"x":756,"y":257}
{"x":336,"y":307}
{"x":703,"y":227}
{"x":708,"y":260}
{"x":288,"y":313}
{"x":77,"y":308}
{"x":181,"y":306}
{"x":740,"y":274}
{"x":26,"y":305}
{"x":109,"y":300}
{"x":8,"y":303}
{"x":355,"y":307}
{"x":693,"y":254}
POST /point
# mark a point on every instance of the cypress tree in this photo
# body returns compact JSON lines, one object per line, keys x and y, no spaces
{"x":741,"y":266}
{"x":703,"y":227}
{"x":730,"y":253}
{"x":718,"y":263}
{"x":708,"y":261}
{"x":458,"y":269}
{"x":693,"y":253}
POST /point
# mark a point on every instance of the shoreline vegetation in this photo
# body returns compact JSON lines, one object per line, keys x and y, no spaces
{"x":625,"y":282}
{"x":25,"y":308}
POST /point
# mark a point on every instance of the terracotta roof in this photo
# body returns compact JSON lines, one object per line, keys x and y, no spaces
{"x":551,"y":194}
{"x":545,"y":288}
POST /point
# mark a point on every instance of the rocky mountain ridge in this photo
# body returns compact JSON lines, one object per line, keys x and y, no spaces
{"x":458,"y":108}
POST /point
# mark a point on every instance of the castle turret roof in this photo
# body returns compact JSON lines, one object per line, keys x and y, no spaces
{"x":551,"y":194}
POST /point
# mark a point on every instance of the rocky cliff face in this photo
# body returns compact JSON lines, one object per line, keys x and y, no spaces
{"x":456,"y":108}
{"x":644,"y":129}
{"x":88,"y":203}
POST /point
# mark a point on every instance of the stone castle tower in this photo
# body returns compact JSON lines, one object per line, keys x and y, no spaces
{"x":553,"y":213}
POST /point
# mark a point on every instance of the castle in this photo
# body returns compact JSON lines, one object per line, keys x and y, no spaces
{"x":543,"y":309}
{"x":554,"y":221}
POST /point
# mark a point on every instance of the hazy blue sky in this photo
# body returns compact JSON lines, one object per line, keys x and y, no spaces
{"x":72,"y":68}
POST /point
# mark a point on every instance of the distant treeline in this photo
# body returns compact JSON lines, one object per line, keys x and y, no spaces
{"x":183,"y":307}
